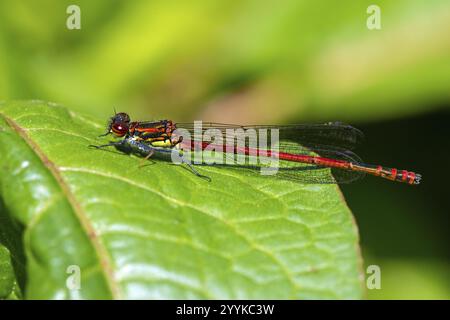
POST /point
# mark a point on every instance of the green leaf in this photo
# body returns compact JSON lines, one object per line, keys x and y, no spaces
{"x":12,"y":260}
{"x":7,"y":277}
{"x":159,"y":231}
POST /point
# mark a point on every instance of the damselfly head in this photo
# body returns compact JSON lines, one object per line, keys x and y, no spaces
{"x":118,"y":124}
{"x":120,"y":117}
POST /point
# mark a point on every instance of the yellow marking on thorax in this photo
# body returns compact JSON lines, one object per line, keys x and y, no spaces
{"x":162,"y":144}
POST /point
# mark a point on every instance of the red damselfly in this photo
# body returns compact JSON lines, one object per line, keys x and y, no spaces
{"x":306,"y":153}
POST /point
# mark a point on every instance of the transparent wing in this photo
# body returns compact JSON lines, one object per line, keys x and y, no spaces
{"x":277,"y":168}
{"x":331,"y":134}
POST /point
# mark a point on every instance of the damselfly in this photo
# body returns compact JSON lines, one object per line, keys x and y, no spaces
{"x":302,"y":152}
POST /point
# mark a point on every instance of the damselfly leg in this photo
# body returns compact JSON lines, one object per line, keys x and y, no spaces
{"x":148,"y":156}
{"x":111,"y":144}
{"x":148,"y":151}
{"x":198,"y":174}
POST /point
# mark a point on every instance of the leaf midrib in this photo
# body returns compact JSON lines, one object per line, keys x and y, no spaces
{"x":99,"y":248}
{"x":233,"y":227}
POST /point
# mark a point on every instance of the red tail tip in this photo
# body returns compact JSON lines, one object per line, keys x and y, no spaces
{"x":417,"y":178}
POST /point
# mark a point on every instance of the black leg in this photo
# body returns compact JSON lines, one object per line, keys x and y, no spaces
{"x":198,"y":174}
{"x":111,"y":144}
{"x":141,"y":164}
{"x":105,"y":134}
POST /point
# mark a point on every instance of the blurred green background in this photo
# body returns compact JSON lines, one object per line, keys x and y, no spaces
{"x":269,"y":62}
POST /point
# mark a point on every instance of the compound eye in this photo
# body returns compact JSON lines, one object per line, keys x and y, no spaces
{"x":122,"y":117}
{"x":119,"y":129}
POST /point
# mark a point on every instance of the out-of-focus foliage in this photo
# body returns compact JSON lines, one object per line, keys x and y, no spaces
{"x":6,"y":273}
{"x":412,"y":279}
{"x":268,"y":61}
{"x":405,"y":231}
{"x":255,"y":61}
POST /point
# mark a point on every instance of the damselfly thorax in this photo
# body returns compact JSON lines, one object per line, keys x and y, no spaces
{"x":157,"y":133}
